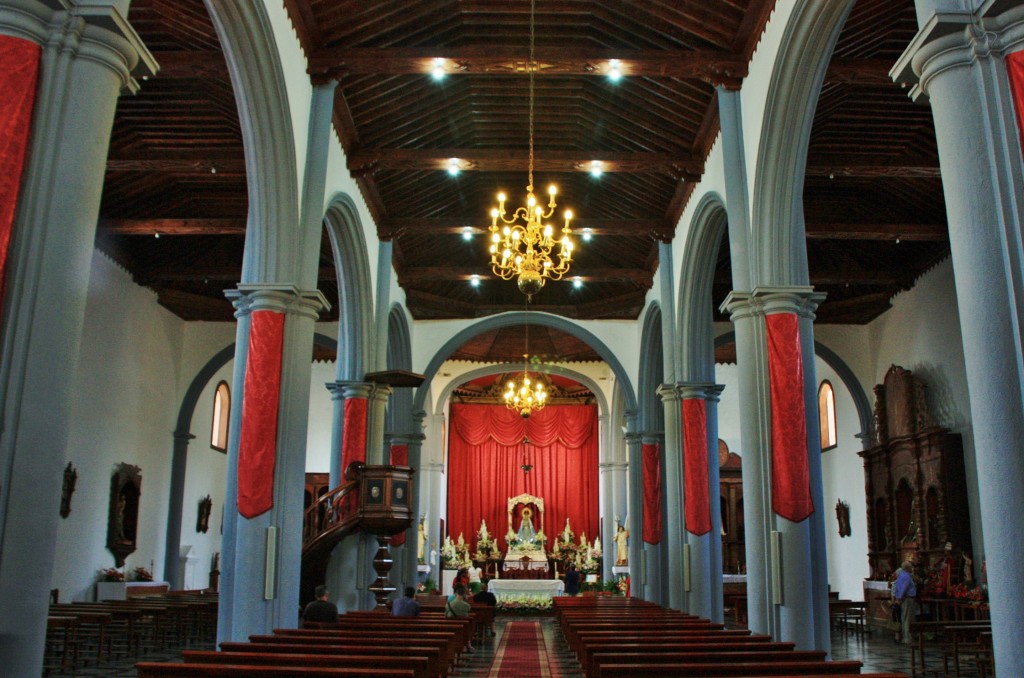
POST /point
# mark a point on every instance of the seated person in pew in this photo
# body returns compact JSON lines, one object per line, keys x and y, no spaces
{"x":485,"y":597}
{"x":459,"y":607}
{"x":407,"y":605}
{"x":321,"y":609}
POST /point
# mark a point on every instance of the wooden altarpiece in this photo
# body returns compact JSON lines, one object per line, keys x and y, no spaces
{"x":915,"y":481}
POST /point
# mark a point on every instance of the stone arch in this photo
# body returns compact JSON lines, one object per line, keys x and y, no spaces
{"x":399,"y":357}
{"x":272,"y":248}
{"x":652,"y":372}
{"x":561,"y":370}
{"x":697,"y":275}
{"x":181,"y":437}
{"x":778,"y":244}
{"x":355,"y":315}
{"x":860,"y":399}
{"x":519,"y":318}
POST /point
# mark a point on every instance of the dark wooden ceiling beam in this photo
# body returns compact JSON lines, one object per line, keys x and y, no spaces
{"x":859,"y":71}
{"x":188,"y":226}
{"x":191,"y":64}
{"x":416,"y":300}
{"x":883,"y":231}
{"x":867,"y":278}
{"x":504,"y":160}
{"x":221,"y":162}
{"x":429,"y":274}
{"x":401,"y":226}
{"x":869,"y":166}
{"x":333,"y":62}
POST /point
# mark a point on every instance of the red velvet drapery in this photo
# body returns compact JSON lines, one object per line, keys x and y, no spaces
{"x":695,"y":466}
{"x":19,"y":72}
{"x":651,"y":454}
{"x":257,"y":443}
{"x":1015,"y":70}
{"x":353,"y":437}
{"x":791,"y":485}
{"x":399,"y":457}
{"x":485,"y":454}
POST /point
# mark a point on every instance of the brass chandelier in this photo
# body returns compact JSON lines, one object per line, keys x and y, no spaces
{"x":523,"y":394}
{"x":522,"y":247}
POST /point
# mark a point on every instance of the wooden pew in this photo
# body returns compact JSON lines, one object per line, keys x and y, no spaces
{"x":436,"y":656}
{"x":443,"y":641}
{"x":169,"y":670}
{"x":712,"y":669}
{"x":420,"y":665}
{"x":654,"y":647}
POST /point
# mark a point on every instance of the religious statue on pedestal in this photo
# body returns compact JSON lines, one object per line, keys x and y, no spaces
{"x":567,"y":533}
{"x":421,"y":542}
{"x":621,"y":545}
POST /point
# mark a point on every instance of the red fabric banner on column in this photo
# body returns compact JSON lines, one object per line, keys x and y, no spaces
{"x":399,"y":457}
{"x":1015,"y":69}
{"x":353,"y":437}
{"x":695,"y":466}
{"x":652,"y":493}
{"x":257,"y":443}
{"x":19,"y":72}
{"x":791,"y":485}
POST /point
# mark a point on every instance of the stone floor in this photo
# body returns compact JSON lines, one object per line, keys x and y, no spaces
{"x":875,"y":649}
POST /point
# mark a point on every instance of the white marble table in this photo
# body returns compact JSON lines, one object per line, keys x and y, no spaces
{"x":526,"y":587}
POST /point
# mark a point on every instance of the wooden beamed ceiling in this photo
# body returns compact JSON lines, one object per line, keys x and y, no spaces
{"x":873,"y":203}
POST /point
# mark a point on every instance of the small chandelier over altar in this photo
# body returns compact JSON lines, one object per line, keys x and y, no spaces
{"x":525,"y":395}
{"x":522,"y":247}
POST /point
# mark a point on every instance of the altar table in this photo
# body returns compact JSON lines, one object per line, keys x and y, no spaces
{"x":526,"y":587}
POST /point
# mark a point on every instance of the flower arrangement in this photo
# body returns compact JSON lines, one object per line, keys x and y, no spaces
{"x":141,"y":574}
{"x":524,"y":604}
{"x":428,"y":586}
{"x":111,"y":574}
{"x":961,"y":592}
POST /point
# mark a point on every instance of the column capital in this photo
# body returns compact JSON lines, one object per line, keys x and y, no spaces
{"x":404,"y":438}
{"x":958,"y":38}
{"x":613,"y":466}
{"x":341,"y":390}
{"x":668,"y":392}
{"x":652,"y":437}
{"x":283,"y":298}
{"x":96,"y":30}
{"x":696,"y":389}
{"x":799,"y":299}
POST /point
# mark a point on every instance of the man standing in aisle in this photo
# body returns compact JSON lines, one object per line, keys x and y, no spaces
{"x":904,"y":592}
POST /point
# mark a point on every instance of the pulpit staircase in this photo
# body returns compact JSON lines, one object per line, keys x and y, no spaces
{"x":373,"y":499}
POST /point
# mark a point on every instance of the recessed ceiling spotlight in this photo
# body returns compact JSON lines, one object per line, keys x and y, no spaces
{"x":614,"y":74}
{"x":439,"y":71}
{"x":157,"y":235}
{"x":453,"y":166}
{"x":474,"y":280}
{"x":586,"y":234}
{"x":467,"y":233}
{"x":596,"y":168}
{"x":577,"y":282}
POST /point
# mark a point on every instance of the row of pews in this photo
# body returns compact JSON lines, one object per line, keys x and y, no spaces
{"x":616,"y":637}
{"x":85,"y":633}
{"x":358,"y":644}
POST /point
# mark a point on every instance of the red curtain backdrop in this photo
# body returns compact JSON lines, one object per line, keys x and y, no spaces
{"x":19,"y":71}
{"x":695,"y":466}
{"x":257,"y":444}
{"x":652,"y":493}
{"x":399,"y":457}
{"x":484,"y":455}
{"x":791,"y":485}
{"x":353,"y":437}
{"x":1015,"y":69}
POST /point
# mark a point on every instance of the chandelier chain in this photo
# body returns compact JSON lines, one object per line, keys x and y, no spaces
{"x":531,"y":67}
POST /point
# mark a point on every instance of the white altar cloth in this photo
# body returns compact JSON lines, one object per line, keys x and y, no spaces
{"x":526,"y":587}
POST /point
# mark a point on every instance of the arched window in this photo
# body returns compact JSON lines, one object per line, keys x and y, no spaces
{"x":827,"y":415}
{"x":221,"y":410}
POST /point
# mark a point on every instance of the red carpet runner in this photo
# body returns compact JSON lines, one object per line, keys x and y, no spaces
{"x":522,"y":653}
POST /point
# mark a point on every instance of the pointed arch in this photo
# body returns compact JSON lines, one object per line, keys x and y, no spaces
{"x":652,"y":371}
{"x":352,"y":262}
{"x":399,"y":357}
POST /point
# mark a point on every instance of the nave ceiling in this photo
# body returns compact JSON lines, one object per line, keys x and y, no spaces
{"x":873,"y":196}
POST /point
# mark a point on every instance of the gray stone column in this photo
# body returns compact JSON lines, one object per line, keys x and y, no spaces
{"x":407,"y":572}
{"x":262,"y":556}
{"x":88,"y":58}
{"x":375,"y":420}
{"x":633,"y":520}
{"x":704,"y":596}
{"x":786,"y":597}
{"x":959,"y":62}
{"x":672,"y":496}
{"x":614,"y":478}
